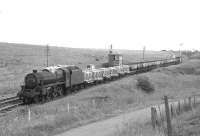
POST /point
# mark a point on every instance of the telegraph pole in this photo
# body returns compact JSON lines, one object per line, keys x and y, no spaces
{"x":144,"y":48}
{"x":180,"y":55}
{"x":111,"y":48}
{"x":47,"y":54}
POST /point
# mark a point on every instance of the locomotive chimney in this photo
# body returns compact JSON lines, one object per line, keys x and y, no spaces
{"x":34,"y":71}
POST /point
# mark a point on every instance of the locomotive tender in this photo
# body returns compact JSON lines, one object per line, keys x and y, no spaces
{"x":60,"y":80}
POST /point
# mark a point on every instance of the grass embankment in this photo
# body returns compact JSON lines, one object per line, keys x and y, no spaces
{"x":137,"y":129}
{"x":101,"y":102}
{"x":16,"y":60}
{"x":186,"y":124}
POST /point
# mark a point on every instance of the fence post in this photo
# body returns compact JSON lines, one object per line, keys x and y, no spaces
{"x":161,"y":117}
{"x":185,"y":105}
{"x":179,"y":107}
{"x":172,"y":110}
{"x":190,"y":103}
{"x":153,"y":117}
{"x":169,"y":125}
{"x":29,"y":113}
{"x":68,"y":107}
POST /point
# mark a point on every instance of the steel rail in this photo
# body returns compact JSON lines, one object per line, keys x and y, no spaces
{"x":9,"y":103}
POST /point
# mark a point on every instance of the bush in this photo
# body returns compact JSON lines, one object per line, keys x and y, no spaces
{"x":144,"y":84}
{"x":105,"y":65}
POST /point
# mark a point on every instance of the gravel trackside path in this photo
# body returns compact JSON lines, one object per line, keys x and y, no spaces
{"x":107,"y":127}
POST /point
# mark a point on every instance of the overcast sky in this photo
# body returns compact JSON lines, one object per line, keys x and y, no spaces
{"x":127,"y":24}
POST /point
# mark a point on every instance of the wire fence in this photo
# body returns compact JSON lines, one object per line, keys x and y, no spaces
{"x":161,"y":115}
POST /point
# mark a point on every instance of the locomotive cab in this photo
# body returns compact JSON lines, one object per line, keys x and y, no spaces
{"x":73,"y":76}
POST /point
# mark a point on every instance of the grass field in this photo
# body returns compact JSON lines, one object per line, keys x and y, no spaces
{"x":186,"y":124}
{"x":137,"y":129}
{"x":16,"y":60}
{"x":102,"y":101}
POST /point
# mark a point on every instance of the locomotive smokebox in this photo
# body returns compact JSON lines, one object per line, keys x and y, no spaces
{"x":34,"y":71}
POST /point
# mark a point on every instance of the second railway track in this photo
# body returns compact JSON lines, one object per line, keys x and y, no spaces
{"x":8,"y":103}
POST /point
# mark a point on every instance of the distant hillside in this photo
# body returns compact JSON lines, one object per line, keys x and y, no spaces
{"x":16,"y":60}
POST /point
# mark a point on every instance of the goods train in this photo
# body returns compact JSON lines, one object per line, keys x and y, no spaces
{"x":55,"y":81}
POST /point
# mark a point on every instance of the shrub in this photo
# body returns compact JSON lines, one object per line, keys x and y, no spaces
{"x":105,"y":65}
{"x":144,"y":84}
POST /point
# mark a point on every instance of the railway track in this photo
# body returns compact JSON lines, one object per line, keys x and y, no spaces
{"x":9,"y":103}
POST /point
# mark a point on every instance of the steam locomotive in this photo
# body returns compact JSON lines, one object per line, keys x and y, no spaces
{"x":55,"y":81}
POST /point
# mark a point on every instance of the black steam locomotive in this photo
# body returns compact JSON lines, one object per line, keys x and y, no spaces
{"x":55,"y":81}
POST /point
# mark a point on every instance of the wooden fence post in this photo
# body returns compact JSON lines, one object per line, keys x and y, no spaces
{"x":29,"y":113}
{"x":172,"y":110}
{"x":194,"y":101}
{"x":169,"y":125}
{"x":68,"y":107}
{"x":153,"y":117}
{"x":184,"y":104}
{"x":161,"y":116}
{"x":190,"y":103}
{"x":179,"y":107}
